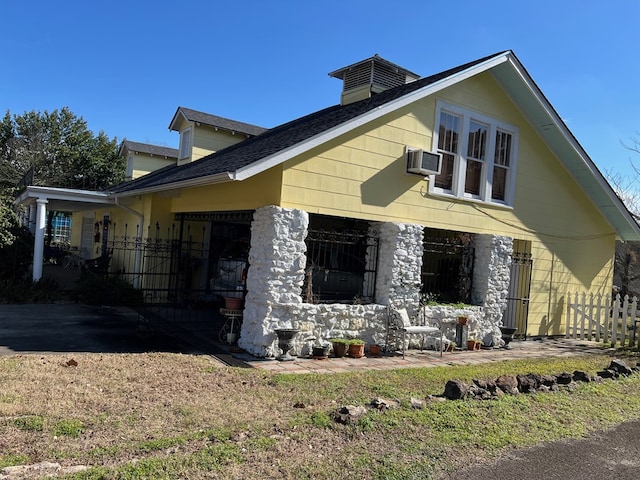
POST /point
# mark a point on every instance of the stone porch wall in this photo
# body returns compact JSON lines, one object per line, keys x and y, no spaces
{"x":276,"y":275}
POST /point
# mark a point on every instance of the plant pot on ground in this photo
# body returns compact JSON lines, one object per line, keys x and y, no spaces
{"x":507,"y":335}
{"x":356,"y":348}
{"x":375,"y":350}
{"x":340,"y":347}
{"x":320,"y":351}
{"x":473,"y":344}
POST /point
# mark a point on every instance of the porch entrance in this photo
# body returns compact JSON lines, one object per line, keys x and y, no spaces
{"x":185,"y":269}
{"x":517,"y":309}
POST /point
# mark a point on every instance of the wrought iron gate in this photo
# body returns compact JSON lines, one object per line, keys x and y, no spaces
{"x":517,"y":309}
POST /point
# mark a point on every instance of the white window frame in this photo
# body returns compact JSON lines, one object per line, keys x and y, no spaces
{"x":460,"y":161}
{"x":185,"y":147}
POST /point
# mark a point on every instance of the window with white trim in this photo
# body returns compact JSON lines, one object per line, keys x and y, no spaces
{"x":478,"y":156}
{"x":185,"y":143}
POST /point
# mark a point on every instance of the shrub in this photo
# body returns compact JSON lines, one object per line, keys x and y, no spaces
{"x":44,"y":290}
{"x":98,"y":290}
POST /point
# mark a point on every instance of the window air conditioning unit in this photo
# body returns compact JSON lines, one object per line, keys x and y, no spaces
{"x":423,"y":163}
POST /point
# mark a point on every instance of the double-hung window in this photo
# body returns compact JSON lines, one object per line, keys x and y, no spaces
{"x":478,"y":156}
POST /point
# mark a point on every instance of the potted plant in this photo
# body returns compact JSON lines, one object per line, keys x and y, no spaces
{"x":375,"y":350}
{"x":340,"y":347}
{"x":356,"y":348}
{"x":320,"y":351}
{"x":473,"y":344}
{"x":462,"y":320}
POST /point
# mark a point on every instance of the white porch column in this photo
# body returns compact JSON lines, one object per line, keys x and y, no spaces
{"x":32,"y":220}
{"x":38,"y":246}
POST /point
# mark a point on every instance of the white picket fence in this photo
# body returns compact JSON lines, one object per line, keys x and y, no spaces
{"x":603,"y":318}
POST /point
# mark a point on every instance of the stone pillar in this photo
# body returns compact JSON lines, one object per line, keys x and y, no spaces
{"x":491,"y":276}
{"x":38,"y":245}
{"x":399,"y":265}
{"x":276,"y":273}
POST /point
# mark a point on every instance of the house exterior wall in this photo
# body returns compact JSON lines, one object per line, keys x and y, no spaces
{"x":139,"y":165}
{"x":255,"y":192}
{"x":207,"y":140}
{"x":362,"y":175}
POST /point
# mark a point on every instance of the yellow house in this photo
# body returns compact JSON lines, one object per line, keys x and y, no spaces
{"x":202,"y":133}
{"x":463,"y":187}
{"x":143,"y":158}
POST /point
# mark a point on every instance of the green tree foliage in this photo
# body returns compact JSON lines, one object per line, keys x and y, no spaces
{"x":63,"y":152}
{"x":61,"y":149}
{"x":16,"y":243}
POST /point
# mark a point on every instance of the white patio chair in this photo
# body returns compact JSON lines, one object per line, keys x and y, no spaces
{"x":399,"y":321}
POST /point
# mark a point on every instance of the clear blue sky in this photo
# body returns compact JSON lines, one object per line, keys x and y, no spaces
{"x":125,"y":66}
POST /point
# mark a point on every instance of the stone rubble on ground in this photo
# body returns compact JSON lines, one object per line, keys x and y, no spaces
{"x":39,"y":470}
{"x":484,"y":389}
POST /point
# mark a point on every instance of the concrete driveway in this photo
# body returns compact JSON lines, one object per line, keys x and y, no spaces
{"x":64,"y":328}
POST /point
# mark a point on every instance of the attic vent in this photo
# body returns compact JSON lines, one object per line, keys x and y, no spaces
{"x":371,"y":76}
{"x":381,"y":76}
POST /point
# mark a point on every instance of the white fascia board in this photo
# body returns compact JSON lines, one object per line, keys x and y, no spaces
{"x":67,"y":194}
{"x":193,"y":182}
{"x":584,"y":157}
{"x":328,"y":135}
{"x":175,"y":119}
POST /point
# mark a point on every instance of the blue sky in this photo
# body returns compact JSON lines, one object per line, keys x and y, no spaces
{"x":125,"y":66}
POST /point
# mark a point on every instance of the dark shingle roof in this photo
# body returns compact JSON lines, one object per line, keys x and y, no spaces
{"x":282,"y":137}
{"x":218,"y":122}
{"x":150,"y":149}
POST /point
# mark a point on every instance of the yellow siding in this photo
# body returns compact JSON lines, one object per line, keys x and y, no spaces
{"x":258,"y":191}
{"x":207,"y":140}
{"x":143,"y":164}
{"x":362,"y":174}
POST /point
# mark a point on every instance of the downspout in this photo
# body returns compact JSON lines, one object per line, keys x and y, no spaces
{"x":137,"y":261}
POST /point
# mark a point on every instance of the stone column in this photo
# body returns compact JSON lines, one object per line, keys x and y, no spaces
{"x":399,"y":265}
{"x":491,"y":276}
{"x":276,"y":273}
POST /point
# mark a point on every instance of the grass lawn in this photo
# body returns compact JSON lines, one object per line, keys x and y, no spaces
{"x":173,"y":416}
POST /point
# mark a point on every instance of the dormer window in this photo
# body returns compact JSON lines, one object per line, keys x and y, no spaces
{"x":185,"y":144}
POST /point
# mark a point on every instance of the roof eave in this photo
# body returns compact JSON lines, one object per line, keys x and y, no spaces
{"x":192,"y":182}
{"x":575,"y":159}
{"x":174,"y":120}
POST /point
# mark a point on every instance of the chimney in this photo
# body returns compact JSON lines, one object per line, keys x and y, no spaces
{"x":367,"y":77}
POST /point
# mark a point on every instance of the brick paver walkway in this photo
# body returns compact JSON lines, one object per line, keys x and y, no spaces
{"x":546,"y":347}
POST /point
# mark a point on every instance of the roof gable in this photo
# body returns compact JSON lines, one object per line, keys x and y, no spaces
{"x":214,"y":121}
{"x":275,"y":146}
{"x":154,"y":150}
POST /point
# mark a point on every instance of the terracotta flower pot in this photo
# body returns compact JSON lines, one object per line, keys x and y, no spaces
{"x":356,"y":350}
{"x":473,"y":345}
{"x":375,"y":350}
{"x":231,"y":303}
